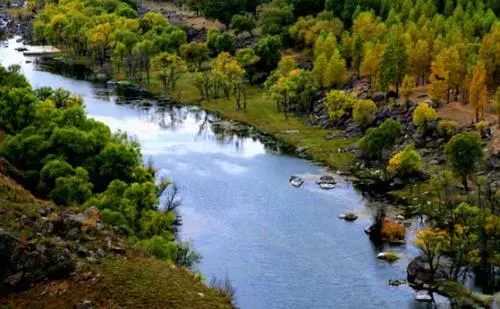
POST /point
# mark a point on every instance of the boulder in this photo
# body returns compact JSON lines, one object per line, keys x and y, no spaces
{"x":326,"y":182}
{"x":396,"y":282}
{"x":23,"y":265}
{"x":423,"y":295}
{"x":350,"y":216}
{"x":418,"y":271}
{"x":389,"y":256}
{"x":296,"y":181}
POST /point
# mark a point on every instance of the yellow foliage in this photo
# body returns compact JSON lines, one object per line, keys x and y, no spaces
{"x":392,"y":231}
{"x":423,"y":114}
{"x":478,"y":92}
{"x":448,"y":127}
{"x":438,"y":81}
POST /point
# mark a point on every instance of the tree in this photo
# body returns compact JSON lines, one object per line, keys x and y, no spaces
{"x":243,"y":23}
{"x":72,"y":189}
{"x":224,"y":43}
{"x":144,"y":51}
{"x":393,"y":65}
{"x":407,"y":88}
{"x":339,"y":102}
{"x":170,"y":67}
{"x":438,"y":79}
{"x":247,"y":58}
{"x":357,"y":53}
{"x":16,"y":109}
{"x":478,"y":92}
{"x":372,"y":55}
{"x":423,"y":115}
{"x":319,"y":69}
{"x":268,"y":49}
{"x":464,"y":151}
{"x":433,"y":243}
{"x":450,"y":58}
{"x":51,"y":172}
{"x":195,"y":52}
{"x":497,"y":105}
{"x":376,"y":141}
{"x":405,"y":163}
{"x":363,"y":112}
{"x":223,"y":10}
{"x":336,"y":70}
{"x":275,"y":16}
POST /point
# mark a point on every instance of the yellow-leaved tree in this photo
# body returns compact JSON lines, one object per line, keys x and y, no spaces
{"x":438,"y":78}
{"x":478,"y":93}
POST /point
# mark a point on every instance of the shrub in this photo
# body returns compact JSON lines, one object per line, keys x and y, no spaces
{"x":448,"y":127}
{"x":424,"y":114}
{"x":113,"y":217}
{"x":363,"y":112}
{"x":392,"y":231}
{"x":338,"y":102}
{"x":406,"y":162}
{"x":481,"y":125}
{"x":376,"y":140}
{"x":160,"y":247}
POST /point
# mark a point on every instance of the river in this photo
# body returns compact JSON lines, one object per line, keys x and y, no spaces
{"x":281,"y":247}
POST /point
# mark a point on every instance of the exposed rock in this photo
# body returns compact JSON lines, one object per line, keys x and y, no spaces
{"x":418,"y":271}
{"x":86,"y":304}
{"x":350,"y":216}
{"x":397,"y":282}
{"x":423,"y":295}
{"x":22,"y":265}
{"x":389,"y":256}
{"x":326,"y":182}
{"x":296,"y":181}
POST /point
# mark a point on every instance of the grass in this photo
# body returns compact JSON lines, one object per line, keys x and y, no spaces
{"x":134,"y":281}
{"x":455,"y":290}
{"x":139,"y":282}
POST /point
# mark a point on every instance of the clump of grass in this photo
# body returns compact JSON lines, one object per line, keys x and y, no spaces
{"x":224,"y":287}
{"x":389,"y":256}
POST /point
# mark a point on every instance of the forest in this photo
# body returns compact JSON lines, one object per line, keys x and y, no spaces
{"x":302,"y":58}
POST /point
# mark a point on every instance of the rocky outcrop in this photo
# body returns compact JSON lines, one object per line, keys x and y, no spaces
{"x":24,"y":264}
{"x":419,"y":273}
{"x":296,"y":181}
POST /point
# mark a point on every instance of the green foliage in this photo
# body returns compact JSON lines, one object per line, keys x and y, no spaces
{"x":195,"y":52}
{"x":339,"y":102}
{"x":363,"y":112}
{"x":159,"y":247}
{"x":423,"y":115}
{"x":378,"y":140}
{"x":75,"y":189}
{"x":268,"y":50}
{"x":464,"y":151}
{"x":223,"y":10}
{"x":51,"y":172}
{"x":243,"y":23}
{"x":275,"y":16}
{"x":248,"y":59}
{"x":393,"y":64}
{"x":448,"y":127}
{"x":405,"y":163}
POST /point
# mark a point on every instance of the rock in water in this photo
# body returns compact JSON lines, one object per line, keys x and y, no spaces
{"x":423,"y":295}
{"x":389,"y":256}
{"x":418,"y":271}
{"x":326,"y":182}
{"x":296,"y":181}
{"x":350,"y":216}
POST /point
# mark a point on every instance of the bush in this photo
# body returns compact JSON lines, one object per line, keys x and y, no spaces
{"x":405,"y":163}
{"x":423,"y":115}
{"x":339,"y":102}
{"x":481,"y":125}
{"x":376,"y":140}
{"x":363,"y":112}
{"x":72,"y":189}
{"x":113,"y":218}
{"x":392,"y":231}
{"x":242,"y":23}
{"x":448,"y":127}
{"x":160,"y":247}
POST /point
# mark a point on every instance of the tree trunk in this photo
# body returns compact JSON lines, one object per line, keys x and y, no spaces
{"x":464,"y":182}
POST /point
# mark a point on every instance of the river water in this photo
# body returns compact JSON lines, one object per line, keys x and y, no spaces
{"x":281,"y":247}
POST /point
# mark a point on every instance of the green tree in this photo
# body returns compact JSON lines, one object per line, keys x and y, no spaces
{"x":16,"y":109}
{"x":248,"y":59}
{"x":363,"y":112}
{"x":51,"y":172}
{"x":357,"y":53}
{"x":75,"y":189}
{"x":243,"y":23}
{"x":393,"y":65}
{"x":275,"y":16}
{"x":379,"y":140}
{"x":169,"y":68}
{"x":464,"y":152}
{"x":405,"y":163}
{"x":195,"y":52}
{"x":223,"y":10}
{"x":268,"y":50}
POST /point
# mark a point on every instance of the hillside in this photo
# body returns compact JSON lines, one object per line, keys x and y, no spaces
{"x":95,"y":267}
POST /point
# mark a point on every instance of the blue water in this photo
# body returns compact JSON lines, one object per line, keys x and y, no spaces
{"x":282,"y":247}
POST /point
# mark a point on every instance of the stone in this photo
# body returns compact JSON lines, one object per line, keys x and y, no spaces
{"x":326,"y":182}
{"x":423,"y":295}
{"x":101,"y":253}
{"x":82,"y":250}
{"x":73,"y":234}
{"x":418,"y":271}
{"x":350,"y":216}
{"x":400,"y":217}
{"x":296,"y":181}
{"x":86,"y":304}
{"x":389,"y":256}
{"x":396,"y":282}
